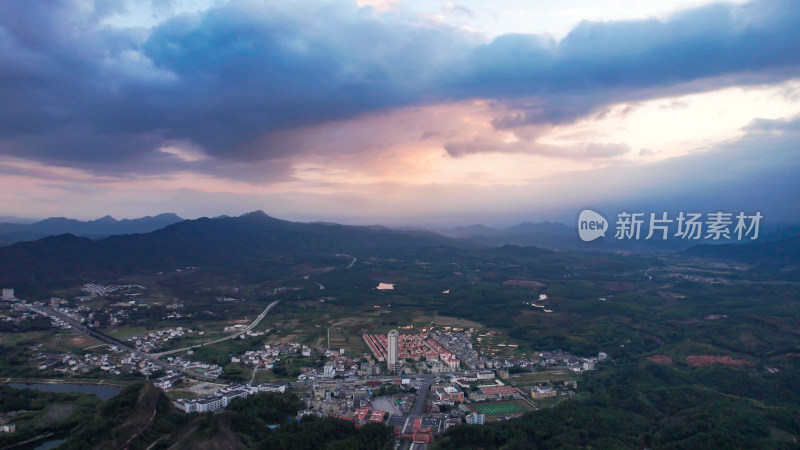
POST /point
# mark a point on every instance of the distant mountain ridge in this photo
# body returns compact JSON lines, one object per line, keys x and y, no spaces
{"x":558,"y":236}
{"x":102,"y":227}
{"x":15,"y":219}
{"x":540,"y":234}
{"x":770,"y":252}
{"x":200,"y":242}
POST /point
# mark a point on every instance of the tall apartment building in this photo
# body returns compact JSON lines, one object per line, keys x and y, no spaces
{"x":393,"y":350}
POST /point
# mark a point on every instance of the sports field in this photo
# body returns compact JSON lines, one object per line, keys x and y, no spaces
{"x":501,"y":408}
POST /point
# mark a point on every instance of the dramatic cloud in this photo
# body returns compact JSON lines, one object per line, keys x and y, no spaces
{"x":583,"y":151}
{"x":755,"y":173}
{"x":315,"y":107}
{"x":231,"y":80}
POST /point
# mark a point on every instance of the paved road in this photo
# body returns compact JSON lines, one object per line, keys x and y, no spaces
{"x":216,"y":341}
{"x":321,"y":286}
{"x":253,"y":376}
{"x":419,"y":402}
{"x":80,"y":328}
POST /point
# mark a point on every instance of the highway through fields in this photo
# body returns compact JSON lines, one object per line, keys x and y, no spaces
{"x":232,"y":336}
{"x":153,"y":357}
{"x":81,"y":328}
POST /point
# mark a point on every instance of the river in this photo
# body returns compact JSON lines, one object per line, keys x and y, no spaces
{"x":103,"y":391}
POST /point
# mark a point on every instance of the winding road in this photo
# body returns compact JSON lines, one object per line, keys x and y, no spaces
{"x":217,"y":341}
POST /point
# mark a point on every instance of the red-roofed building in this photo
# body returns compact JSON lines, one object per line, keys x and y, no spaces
{"x":499,"y":390}
{"x":377,"y":416}
{"x":411,"y":347}
{"x":422,"y":437}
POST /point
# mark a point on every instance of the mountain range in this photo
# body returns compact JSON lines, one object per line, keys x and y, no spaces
{"x":257,"y":237}
{"x":557,"y":236}
{"x":15,"y":219}
{"x":102,"y":227}
{"x":201,"y":242}
{"x":542,"y":234}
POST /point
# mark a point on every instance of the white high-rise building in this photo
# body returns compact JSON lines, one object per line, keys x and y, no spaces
{"x":8,"y":294}
{"x":393,"y":349}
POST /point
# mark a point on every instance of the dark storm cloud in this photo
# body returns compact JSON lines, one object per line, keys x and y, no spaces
{"x":236,"y":79}
{"x":600,"y":63}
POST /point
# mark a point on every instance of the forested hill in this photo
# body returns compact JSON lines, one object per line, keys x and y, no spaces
{"x":142,"y":417}
{"x":201,"y":242}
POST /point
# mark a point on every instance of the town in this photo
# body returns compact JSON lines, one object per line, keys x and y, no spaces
{"x":421,"y":383}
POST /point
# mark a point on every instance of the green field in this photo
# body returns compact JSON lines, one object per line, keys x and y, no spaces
{"x":542,"y":377}
{"x":127,"y":332}
{"x":501,"y":408}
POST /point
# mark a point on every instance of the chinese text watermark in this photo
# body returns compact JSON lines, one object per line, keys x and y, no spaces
{"x":713,"y":226}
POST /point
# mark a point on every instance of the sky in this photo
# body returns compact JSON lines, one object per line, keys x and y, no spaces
{"x":418,"y":112}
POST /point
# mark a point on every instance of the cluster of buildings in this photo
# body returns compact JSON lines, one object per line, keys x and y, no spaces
{"x":116,"y":314}
{"x":202,"y":368}
{"x":347,"y":387}
{"x":116,"y":363}
{"x":460,"y":344}
{"x":339,"y":365}
{"x":151,"y":341}
{"x":391,"y":399}
{"x":113,"y":364}
{"x":449,"y":351}
{"x":338,"y":399}
{"x":396,"y":349}
{"x":23,"y":315}
{"x":96,"y":290}
{"x":220,"y":399}
{"x":363,"y":416}
{"x":348,"y":399}
{"x":545,"y":359}
{"x":574,"y":363}
{"x":363,"y":399}
{"x":446,"y":394}
{"x":82,"y":314}
{"x":423,"y":429}
{"x":265,"y":358}
{"x":486,"y":386}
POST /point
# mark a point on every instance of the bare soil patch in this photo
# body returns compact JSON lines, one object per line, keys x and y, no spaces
{"x":708,"y":360}
{"x":661,"y":359}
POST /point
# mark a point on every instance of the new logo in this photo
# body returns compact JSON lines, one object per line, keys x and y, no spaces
{"x":591,"y":225}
